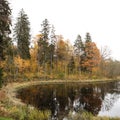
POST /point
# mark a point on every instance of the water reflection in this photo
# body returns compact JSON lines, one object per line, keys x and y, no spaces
{"x":62,"y":98}
{"x":54,"y":107}
{"x":91,"y":99}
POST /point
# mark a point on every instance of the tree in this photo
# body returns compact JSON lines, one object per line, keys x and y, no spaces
{"x":105,"y":53}
{"x":1,"y":77}
{"x":88,"y":38}
{"x":71,"y":65}
{"x":79,"y":50}
{"x":52,"y":46}
{"x":5,"y":23}
{"x":45,"y":30}
{"x":61,"y":49}
{"x":62,"y":55}
{"x":43,"y":43}
{"x":78,"y":46}
{"x":110,"y":68}
{"x":22,"y":35}
{"x":91,"y":56}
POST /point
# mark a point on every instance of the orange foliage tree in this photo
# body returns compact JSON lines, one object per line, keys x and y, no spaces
{"x":91,"y":57}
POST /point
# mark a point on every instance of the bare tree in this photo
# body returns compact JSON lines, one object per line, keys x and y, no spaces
{"x":105,"y":53}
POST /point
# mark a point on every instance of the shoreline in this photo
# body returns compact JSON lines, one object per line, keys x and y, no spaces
{"x":10,"y":91}
{"x":11,"y":88}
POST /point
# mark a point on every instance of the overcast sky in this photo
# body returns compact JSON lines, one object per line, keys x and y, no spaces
{"x":101,"y":18}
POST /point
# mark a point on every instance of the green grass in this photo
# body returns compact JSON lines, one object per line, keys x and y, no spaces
{"x":3,"y":118}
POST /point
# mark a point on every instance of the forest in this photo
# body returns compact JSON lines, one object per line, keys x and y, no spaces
{"x":47,"y":55}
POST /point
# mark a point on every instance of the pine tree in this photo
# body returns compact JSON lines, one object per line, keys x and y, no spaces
{"x":53,"y":36}
{"x":43,"y":43}
{"x":5,"y":23}
{"x":22,"y":35}
{"x":45,"y":30}
{"x":88,"y":38}
{"x":79,"y":51}
{"x":52,"y":45}
{"x":78,"y":46}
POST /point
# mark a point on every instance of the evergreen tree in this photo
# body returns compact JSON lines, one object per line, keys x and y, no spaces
{"x":88,"y":46}
{"x":78,"y":46}
{"x":88,"y":38}
{"x":79,"y":51}
{"x":43,"y":42}
{"x":5,"y":23}
{"x":53,"y":36}
{"x":40,"y":56}
{"x":52,"y":45}
{"x":45,"y":30}
{"x":22,"y":35}
{"x":84,"y":56}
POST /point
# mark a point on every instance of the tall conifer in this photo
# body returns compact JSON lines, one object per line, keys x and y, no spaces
{"x":5,"y":23}
{"x":43,"y":43}
{"x":22,"y":35}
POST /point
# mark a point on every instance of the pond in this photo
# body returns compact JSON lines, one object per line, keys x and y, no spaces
{"x":98,"y":98}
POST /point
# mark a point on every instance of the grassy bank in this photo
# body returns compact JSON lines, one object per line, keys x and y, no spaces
{"x":24,"y":113}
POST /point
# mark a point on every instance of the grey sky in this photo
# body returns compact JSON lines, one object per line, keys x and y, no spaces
{"x":101,"y":18}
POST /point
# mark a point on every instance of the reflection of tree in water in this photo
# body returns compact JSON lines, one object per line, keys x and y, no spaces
{"x":109,"y":94}
{"x":54,"y":106}
{"x":109,"y":101}
{"x":71,"y":97}
{"x":93,"y":97}
{"x":91,"y":100}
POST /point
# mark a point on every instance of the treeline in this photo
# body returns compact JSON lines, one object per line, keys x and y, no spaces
{"x":49,"y":56}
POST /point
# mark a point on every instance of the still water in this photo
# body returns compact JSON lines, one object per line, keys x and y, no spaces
{"x":99,"y":99}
